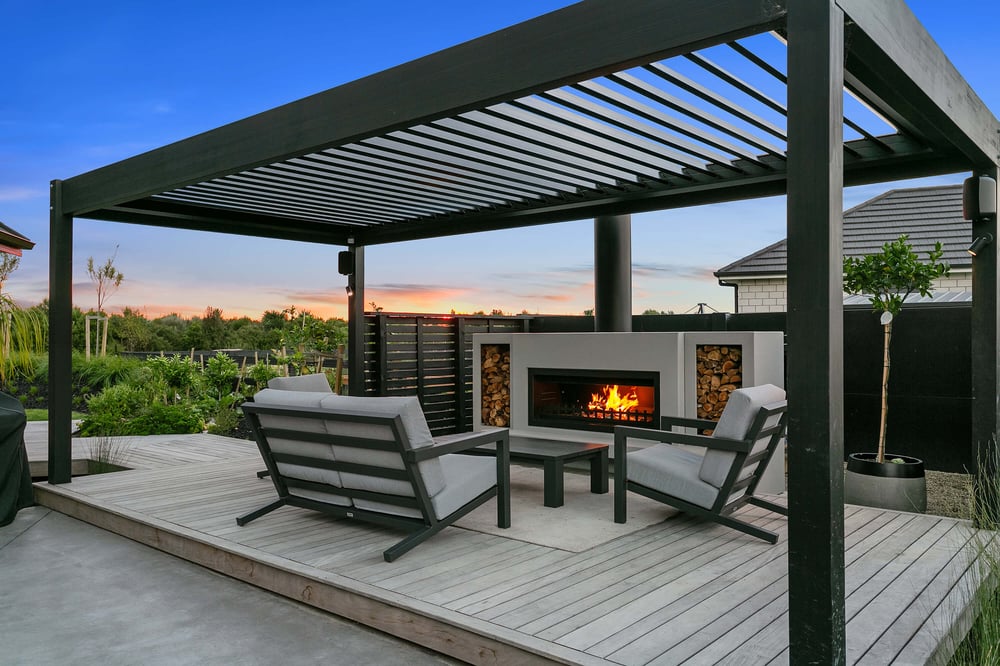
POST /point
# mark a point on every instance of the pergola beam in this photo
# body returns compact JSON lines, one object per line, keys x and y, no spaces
{"x":897,"y":65}
{"x":584,"y":40}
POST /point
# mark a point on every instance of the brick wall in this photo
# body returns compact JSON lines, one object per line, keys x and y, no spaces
{"x":770,"y":295}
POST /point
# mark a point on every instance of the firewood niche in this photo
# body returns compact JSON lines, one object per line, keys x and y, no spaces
{"x":719,"y":372}
{"x":495,"y":385}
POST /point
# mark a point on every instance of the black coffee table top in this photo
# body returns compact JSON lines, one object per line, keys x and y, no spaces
{"x":551,"y":449}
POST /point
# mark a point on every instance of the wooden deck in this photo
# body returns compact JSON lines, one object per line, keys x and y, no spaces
{"x":679,"y":591}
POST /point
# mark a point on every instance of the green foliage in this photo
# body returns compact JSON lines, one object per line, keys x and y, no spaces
{"x":259,"y":373}
{"x":131,"y":330}
{"x":178,"y":373}
{"x":982,"y":643}
{"x":157,"y":418}
{"x":111,"y":410}
{"x":888,"y":277}
{"x":105,"y":277}
{"x":221,"y":373}
{"x":23,"y":333}
{"x":101,"y":371}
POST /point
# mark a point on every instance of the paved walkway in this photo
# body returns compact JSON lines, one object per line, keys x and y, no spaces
{"x":71,"y":593}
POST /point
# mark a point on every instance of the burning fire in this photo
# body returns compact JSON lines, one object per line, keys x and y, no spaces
{"x":614,"y":399}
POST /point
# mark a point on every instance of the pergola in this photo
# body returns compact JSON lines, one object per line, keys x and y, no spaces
{"x":586,"y":112}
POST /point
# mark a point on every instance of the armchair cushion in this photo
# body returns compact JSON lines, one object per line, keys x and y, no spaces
{"x":314,"y":382}
{"x":671,"y":470}
{"x":736,"y":419}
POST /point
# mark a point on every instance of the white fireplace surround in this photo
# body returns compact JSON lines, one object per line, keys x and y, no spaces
{"x":670,"y":354}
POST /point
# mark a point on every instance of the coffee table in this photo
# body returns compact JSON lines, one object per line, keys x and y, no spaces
{"x":554,"y":454}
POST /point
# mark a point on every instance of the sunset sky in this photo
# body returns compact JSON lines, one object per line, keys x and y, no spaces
{"x":88,"y":84}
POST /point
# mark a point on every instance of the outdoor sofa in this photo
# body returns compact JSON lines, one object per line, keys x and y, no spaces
{"x":374,"y":459}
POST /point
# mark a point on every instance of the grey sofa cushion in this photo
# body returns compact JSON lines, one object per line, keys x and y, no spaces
{"x":310,"y":399}
{"x":736,"y":419}
{"x":468,"y":477}
{"x":314,"y":382}
{"x":418,"y":435}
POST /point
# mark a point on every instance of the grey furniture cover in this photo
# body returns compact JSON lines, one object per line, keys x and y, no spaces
{"x":15,"y":475}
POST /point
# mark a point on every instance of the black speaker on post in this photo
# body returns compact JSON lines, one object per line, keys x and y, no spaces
{"x":979,"y":198}
{"x":345,"y":262}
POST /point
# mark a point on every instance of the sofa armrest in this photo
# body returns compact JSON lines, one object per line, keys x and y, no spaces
{"x":460,"y":442}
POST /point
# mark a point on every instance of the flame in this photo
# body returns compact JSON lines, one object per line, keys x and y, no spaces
{"x":614,"y":398}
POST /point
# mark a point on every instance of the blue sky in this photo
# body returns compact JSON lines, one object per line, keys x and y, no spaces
{"x":88,"y":84}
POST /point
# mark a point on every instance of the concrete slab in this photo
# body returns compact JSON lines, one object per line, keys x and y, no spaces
{"x":73,"y":593}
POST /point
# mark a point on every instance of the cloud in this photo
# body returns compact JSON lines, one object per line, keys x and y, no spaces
{"x":15,"y":193}
{"x":673,"y":271}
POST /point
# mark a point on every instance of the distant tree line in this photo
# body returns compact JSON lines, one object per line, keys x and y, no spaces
{"x":131,"y":330}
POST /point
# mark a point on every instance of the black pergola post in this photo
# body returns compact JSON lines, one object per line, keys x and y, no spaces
{"x":985,"y":359}
{"x":613,"y":273}
{"x":60,"y":338}
{"x":356,"y":323}
{"x":815,"y":333}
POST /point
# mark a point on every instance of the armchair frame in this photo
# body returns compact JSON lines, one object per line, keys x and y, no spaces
{"x":725,"y":504}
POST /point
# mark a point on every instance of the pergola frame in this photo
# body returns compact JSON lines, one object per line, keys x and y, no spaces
{"x":520,"y":127}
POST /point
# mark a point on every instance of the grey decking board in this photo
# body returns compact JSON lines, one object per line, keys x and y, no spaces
{"x":602,"y":616}
{"x":552,"y":602}
{"x":604,"y":568}
{"x":413,"y":582}
{"x":686,"y":647}
{"x":642,"y":620}
{"x":501,"y":577}
{"x":497,"y":567}
{"x":196,"y":497}
{"x":589,"y":562}
{"x":905,"y":589}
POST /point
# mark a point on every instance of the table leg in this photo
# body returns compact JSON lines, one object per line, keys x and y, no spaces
{"x":599,"y":472}
{"x":553,"y":483}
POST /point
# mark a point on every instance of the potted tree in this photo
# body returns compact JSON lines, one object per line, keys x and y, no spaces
{"x":891,"y":481}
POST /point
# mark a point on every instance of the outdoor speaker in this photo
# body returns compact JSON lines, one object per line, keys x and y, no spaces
{"x":979,"y":197}
{"x":345,"y":262}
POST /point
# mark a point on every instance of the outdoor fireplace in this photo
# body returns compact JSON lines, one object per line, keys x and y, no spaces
{"x":593,"y":400}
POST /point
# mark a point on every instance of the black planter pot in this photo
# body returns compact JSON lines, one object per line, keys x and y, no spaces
{"x":900,"y":486}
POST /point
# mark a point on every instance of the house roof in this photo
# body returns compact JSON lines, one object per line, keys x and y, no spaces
{"x":925,"y":214}
{"x":12,"y":242}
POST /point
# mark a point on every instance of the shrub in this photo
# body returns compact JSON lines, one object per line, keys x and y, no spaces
{"x":111,"y":409}
{"x":221,"y":373}
{"x":260,"y":373}
{"x":160,"y":419}
{"x":102,"y":371}
{"x":178,"y":373}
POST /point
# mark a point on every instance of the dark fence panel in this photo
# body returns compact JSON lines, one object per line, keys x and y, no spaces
{"x":930,"y":403}
{"x":429,"y":356}
{"x":930,"y":385}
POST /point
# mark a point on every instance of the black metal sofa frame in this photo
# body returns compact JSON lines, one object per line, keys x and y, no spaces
{"x":420,"y":528}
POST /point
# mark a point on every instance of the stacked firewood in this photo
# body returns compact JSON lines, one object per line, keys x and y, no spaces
{"x":719,"y":373}
{"x":496,"y":385}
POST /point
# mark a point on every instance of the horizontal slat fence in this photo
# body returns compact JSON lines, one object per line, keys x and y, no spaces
{"x":429,"y":356}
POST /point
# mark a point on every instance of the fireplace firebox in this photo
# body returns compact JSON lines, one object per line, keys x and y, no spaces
{"x":595,"y":400}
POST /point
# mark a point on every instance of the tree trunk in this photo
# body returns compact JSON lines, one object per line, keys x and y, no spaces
{"x":885,"y":392}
